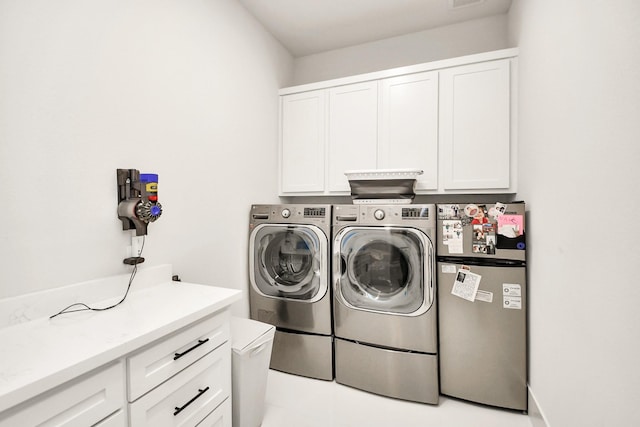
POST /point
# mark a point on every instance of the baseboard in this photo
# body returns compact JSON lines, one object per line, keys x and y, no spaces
{"x":535,"y":413}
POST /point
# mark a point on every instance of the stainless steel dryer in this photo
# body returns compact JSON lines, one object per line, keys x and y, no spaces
{"x":384,"y":293}
{"x":289,"y":255}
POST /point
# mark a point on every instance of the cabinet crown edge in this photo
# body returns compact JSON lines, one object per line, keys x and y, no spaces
{"x":403,"y":70}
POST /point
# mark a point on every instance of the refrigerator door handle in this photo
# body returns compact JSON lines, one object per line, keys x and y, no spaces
{"x":489,"y":262}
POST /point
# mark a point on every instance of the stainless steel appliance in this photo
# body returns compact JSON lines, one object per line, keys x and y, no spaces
{"x":482,"y":303}
{"x":289,"y":275}
{"x":385,"y":319}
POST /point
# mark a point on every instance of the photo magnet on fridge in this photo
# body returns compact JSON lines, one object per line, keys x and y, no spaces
{"x":511,"y":233}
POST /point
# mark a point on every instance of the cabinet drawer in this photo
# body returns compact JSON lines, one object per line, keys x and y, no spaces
{"x":82,"y":402}
{"x":154,"y":365}
{"x":187,"y":398}
{"x":220,"y":417}
{"x":119,"y":419}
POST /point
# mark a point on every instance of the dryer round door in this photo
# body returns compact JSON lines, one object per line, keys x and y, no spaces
{"x":289,"y":261}
{"x":386,"y":270}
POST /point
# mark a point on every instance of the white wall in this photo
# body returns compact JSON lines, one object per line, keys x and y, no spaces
{"x":480,"y":35}
{"x":579,"y":130}
{"x":183,"y":88}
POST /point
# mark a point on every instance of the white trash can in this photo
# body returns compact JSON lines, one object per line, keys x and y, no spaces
{"x":251,"y":344}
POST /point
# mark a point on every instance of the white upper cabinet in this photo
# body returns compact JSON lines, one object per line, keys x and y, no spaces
{"x":302,"y":148}
{"x":475,"y":122}
{"x":452,"y":119}
{"x":408,"y":137}
{"x":353,"y":121}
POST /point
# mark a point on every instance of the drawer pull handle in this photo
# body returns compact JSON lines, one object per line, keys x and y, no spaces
{"x":177,"y":356}
{"x":200,"y":393}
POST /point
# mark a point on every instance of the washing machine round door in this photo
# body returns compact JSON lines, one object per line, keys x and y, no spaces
{"x":289,"y":261}
{"x":385,"y":269}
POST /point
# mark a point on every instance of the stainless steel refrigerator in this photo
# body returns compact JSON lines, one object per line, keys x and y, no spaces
{"x":482,"y":303}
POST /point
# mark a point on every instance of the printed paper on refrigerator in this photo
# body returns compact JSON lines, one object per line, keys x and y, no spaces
{"x":466,"y":285}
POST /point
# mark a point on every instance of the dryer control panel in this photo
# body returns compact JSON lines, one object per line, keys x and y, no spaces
{"x":420,"y":216}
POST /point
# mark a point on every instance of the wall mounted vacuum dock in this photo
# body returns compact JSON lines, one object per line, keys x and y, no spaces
{"x":137,"y":200}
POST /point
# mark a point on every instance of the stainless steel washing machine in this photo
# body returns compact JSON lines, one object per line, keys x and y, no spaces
{"x":384,"y":294}
{"x":289,"y":256}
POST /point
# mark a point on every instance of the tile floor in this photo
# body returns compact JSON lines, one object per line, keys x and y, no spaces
{"x":294,"y":401}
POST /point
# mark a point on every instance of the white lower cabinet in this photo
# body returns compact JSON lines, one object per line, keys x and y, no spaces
{"x":183,"y":379}
{"x":220,"y":417}
{"x":119,"y":419}
{"x":187,"y":398}
{"x":85,"y":401}
{"x":161,"y":359}
{"x":155,"y":364}
{"x":180,"y":380}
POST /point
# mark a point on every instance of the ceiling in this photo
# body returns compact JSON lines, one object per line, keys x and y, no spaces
{"x":306,"y":27}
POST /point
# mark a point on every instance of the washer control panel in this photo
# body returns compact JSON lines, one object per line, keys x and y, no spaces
{"x":312,"y":214}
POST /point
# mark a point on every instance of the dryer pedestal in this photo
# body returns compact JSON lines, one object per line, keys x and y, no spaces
{"x":400,"y":374}
{"x":303,"y":354}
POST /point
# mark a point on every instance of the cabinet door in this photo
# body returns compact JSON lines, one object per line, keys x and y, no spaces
{"x":220,"y":417}
{"x":119,"y":419}
{"x":302,"y":151}
{"x":188,"y":397}
{"x":353,"y":131}
{"x":83,"y":401}
{"x":155,"y":364}
{"x":409,"y":126}
{"x":474,"y":119}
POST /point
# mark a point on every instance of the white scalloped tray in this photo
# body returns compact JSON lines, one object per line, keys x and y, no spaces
{"x":384,"y":174}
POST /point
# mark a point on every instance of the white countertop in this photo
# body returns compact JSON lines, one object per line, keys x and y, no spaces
{"x":43,"y":353}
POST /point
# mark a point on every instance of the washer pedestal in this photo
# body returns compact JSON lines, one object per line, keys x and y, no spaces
{"x":399,"y":374}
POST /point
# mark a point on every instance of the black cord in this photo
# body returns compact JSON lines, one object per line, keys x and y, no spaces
{"x":85,"y":307}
